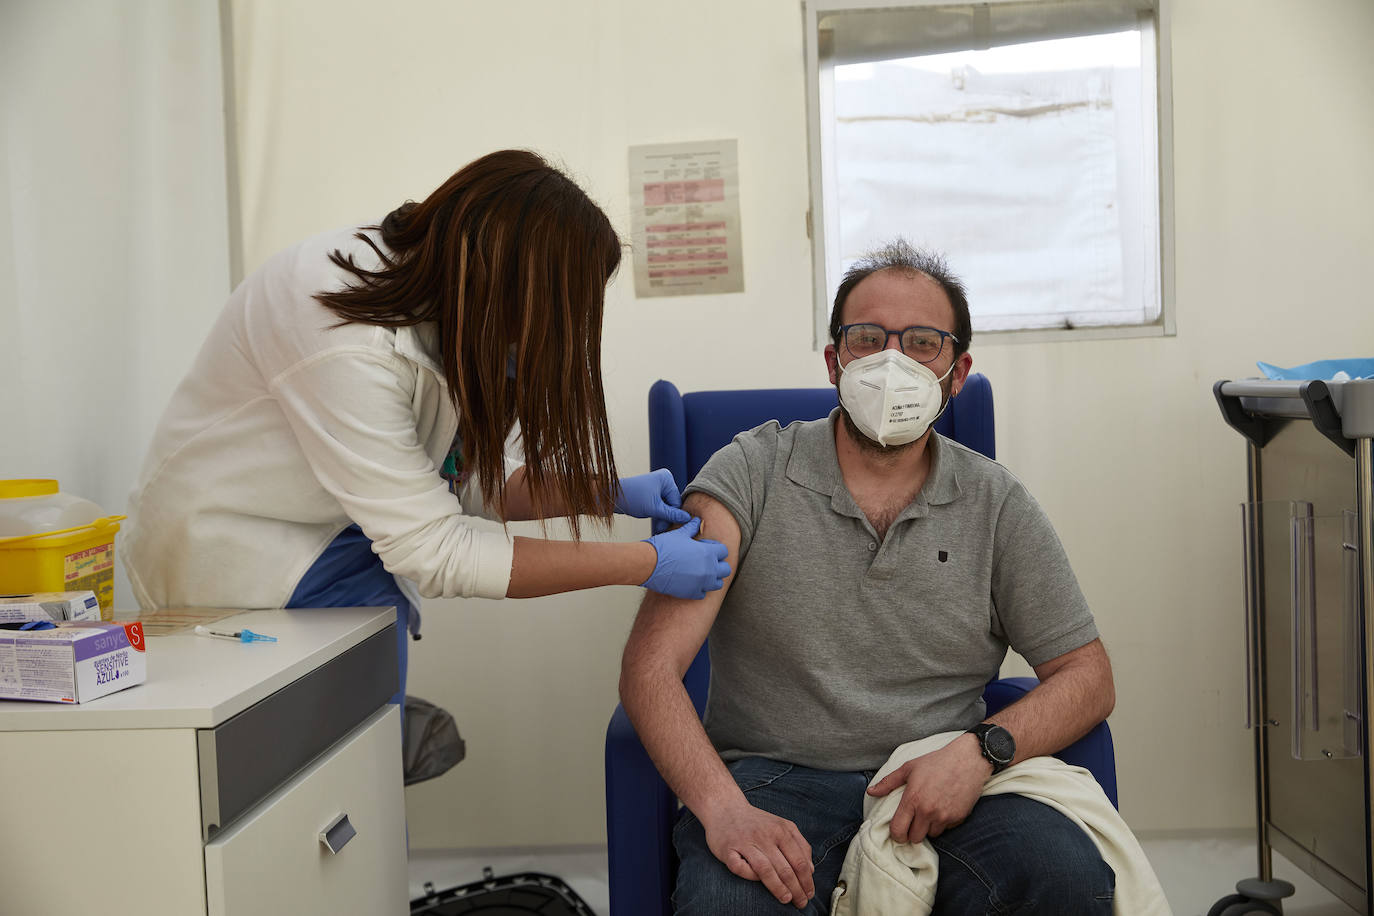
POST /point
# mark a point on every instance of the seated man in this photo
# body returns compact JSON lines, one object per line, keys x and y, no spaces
{"x":882,"y":573}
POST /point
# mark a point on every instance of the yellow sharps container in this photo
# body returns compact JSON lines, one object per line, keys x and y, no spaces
{"x":52,"y":541}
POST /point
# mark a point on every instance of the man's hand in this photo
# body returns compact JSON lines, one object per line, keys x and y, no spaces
{"x":941,"y":789}
{"x":759,"y":846}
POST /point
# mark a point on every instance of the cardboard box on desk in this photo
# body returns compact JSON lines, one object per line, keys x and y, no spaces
{"x":46,"y":606}
{"x":73,"y":662}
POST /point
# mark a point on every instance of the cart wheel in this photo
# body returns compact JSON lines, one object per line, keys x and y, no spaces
{"x":1246,"y":905}
{"x":1253,"y":897}
{"x":1229,"y":900}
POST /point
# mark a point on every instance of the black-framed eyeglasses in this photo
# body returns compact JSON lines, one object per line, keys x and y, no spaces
{"x":920,"y":343}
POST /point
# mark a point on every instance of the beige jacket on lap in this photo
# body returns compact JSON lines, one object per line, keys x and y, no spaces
{"x":883,"y":878}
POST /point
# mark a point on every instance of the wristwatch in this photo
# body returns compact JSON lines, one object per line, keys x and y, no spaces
{"x":997,"y":744}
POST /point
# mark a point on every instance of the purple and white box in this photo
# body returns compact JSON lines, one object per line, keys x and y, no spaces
{"x":74,"y":662}
{"x":45,"y":606}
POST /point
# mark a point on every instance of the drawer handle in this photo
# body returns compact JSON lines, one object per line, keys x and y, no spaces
{"x":337,"y":834}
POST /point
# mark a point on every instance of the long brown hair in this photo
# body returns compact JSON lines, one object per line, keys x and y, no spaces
{"x":508,"y":255}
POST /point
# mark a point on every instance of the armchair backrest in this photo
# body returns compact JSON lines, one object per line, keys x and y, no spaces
{"x":687,"y":429}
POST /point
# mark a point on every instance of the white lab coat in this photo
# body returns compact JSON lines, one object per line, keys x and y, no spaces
{"x":286,"y":430}
{"x":883,"y":878}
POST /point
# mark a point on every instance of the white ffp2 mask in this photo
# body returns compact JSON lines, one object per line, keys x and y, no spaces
{"x":891,"y":398}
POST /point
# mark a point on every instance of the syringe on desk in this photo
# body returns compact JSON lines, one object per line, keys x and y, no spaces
{"x":244,"y":635}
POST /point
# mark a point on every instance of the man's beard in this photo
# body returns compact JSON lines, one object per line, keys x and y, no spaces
{"x":871,"y":445}
{"x":876,"y":448}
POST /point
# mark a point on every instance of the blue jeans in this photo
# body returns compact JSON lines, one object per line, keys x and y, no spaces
{"x":1011,"y":855}
{"x":349,"y":574}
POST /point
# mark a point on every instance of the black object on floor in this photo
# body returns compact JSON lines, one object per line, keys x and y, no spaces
{"x":508,"y":895}
{"x":431,"y":744}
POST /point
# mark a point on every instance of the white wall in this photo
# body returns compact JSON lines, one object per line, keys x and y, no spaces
{"x":344,"y":113}
{"x":113,"y":252}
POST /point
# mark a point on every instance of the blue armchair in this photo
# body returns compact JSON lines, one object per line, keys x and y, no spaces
{"x":684,"y":431}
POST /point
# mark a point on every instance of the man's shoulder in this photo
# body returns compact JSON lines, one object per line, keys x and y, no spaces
{"x":755,"y":458}
{"x":772,"y":438}
{"x":972,"y":462}
{"x":979,"y":475}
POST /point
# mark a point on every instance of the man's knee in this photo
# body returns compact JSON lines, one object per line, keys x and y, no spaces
{"x":1024,"y":857}
{"x":1066,"y":874}
{"x":705,"y":887}
{"x":720,"y":892}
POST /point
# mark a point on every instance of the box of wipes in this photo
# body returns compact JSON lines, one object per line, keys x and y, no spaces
{"x":52,"y":606}
{"x":74,"y":662}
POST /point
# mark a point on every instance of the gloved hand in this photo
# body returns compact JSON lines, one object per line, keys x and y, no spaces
{"x":651,"y":495}
{"x":687,"y":568}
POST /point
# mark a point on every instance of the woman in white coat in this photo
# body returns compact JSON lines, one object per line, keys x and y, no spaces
{"x":366,"y":391}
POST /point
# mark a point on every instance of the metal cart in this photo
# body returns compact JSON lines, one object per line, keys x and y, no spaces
{"x":1309,"y":586}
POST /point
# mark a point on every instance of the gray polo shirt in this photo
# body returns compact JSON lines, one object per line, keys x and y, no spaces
{"x":832,"y":646}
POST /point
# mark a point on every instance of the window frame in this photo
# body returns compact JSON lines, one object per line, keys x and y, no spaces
{"x":822,"y":215}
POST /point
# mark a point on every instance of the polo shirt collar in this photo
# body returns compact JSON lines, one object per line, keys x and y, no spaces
{"x":942,"y":484}
{"x":813,"y":465}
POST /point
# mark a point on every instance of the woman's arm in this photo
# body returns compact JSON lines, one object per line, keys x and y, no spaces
{"x":520,"y":508}
{"x":674,"y":563}
{"x":549,"y":567}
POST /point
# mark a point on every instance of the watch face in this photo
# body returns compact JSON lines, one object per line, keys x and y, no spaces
{"x":999,"y":744}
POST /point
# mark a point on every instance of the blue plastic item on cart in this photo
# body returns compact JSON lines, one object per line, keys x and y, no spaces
{"x":1323,"y":369}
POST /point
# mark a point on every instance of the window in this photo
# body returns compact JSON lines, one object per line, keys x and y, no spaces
{"x":1021,"y":139}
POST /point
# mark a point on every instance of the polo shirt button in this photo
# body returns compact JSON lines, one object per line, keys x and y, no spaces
{"x":872,"y":545}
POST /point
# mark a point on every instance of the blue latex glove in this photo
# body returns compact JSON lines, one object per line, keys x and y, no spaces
{"x":651,"y":495}
{"x":687,"y":568}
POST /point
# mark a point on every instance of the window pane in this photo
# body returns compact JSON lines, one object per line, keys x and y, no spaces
{"x":1032,"y":166}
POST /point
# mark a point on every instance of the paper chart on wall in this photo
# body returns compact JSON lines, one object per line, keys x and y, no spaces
{"x":684,"y":203}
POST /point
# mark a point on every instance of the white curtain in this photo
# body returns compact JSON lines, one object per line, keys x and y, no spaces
{"x":114,"y":250}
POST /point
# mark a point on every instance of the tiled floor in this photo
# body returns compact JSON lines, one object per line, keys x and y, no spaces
{"x":1195,"y":871}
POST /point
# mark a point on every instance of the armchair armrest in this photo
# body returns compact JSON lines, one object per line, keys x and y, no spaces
{"x":1094,"y":751}
{"x":640,"y":811}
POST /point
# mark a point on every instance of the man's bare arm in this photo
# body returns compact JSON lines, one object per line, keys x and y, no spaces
{"x":1076,"y":691}
{"x":666,"y":636}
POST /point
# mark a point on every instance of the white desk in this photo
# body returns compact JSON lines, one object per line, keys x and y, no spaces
{"x":205,"y":789}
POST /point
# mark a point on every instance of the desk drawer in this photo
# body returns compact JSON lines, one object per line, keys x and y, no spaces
{"x":272,"y":860}
{"x":253,"y":753}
